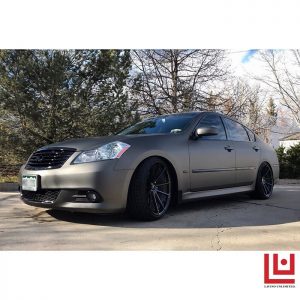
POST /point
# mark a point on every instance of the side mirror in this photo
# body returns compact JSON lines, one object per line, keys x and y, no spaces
{"x":206,"y":131}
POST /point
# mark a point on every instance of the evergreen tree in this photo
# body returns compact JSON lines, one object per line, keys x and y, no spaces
{"x":52,"y":95}
{"x":272,"y":112}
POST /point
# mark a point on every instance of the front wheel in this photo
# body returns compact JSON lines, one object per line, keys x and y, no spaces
{"x":264,"y":182}
{"x":150,"y":191}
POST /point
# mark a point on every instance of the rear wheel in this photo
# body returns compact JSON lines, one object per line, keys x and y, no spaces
{"x":264,"y":182}
{"x":150,"y":191}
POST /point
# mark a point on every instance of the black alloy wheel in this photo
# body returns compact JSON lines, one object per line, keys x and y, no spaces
{"x":159,"y":189}
{"x":150,"y":191}
{"x":264,"y":182}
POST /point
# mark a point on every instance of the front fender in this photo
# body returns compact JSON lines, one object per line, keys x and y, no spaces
{"x":181,"y":165}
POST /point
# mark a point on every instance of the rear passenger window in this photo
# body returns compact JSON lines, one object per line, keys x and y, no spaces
{"x":235,"y":131}
{"x":213,"y":121}
{"x":251,"y":134}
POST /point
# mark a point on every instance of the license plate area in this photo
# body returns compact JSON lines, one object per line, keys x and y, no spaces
{"x":30,"y":183}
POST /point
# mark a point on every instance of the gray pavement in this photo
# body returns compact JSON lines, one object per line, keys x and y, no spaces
{"x":226,"y":223}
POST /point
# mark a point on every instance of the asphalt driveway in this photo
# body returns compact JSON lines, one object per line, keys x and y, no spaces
{"x":227,"y":223}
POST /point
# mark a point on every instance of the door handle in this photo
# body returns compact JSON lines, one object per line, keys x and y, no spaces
{"x":256,"y":148}
{"x":228,"y":148}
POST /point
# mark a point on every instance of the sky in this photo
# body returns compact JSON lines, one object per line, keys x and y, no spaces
{"x":244,"y":62}
{"x":249,"y":54}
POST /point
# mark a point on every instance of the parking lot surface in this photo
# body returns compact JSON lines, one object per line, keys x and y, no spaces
{"x":227,"y":223}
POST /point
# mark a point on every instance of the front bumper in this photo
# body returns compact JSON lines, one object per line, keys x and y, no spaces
{"x":64,"y":183}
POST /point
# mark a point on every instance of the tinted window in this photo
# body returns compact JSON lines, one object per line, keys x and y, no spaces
{"x":164,"y":124}
{"x":251,"y":134}
{"x":213,"y":121}
{"x":235,"y":131}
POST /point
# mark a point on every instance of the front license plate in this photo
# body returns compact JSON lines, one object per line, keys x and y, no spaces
{"x":29,"y":183}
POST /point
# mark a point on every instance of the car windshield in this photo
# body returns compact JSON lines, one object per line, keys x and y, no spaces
{"x":163,"y":124}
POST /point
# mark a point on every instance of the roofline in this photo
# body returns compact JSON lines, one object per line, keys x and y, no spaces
{"x":285,"y":138}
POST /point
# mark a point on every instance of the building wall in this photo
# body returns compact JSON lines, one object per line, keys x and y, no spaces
{"x":288,"y":144}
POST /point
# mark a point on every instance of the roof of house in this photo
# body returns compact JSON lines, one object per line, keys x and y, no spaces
{"x":292,"y":137}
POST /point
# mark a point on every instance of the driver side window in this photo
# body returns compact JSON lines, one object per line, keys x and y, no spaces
{"x":213,"y":121}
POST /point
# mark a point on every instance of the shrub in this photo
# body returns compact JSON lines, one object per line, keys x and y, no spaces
{"x":289,"y":161}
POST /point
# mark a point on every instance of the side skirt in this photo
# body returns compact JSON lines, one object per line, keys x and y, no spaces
{"x":219,"y":192}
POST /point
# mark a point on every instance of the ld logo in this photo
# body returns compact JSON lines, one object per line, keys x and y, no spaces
{"x":279,"y":271}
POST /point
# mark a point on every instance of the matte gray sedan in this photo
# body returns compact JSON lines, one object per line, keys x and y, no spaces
{"x":148,"y":166}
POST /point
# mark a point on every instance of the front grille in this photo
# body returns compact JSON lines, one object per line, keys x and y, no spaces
{"x":42,"y":196}
{"x":51,"y":158}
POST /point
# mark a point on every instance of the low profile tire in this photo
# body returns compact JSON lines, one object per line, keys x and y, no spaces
{"x":150,"y":191}
{"x":264,"y":182}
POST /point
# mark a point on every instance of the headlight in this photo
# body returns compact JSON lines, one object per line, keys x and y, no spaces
{"x":109,"y":151}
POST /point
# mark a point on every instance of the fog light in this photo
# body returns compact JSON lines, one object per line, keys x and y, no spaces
{"x":92,"y":196}
{"x":83,"y":196}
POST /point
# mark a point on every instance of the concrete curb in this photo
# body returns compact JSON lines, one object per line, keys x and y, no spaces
{"x":288,"y":181}
{"x":9,"y":187}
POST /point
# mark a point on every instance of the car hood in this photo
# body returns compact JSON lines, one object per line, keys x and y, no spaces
{"x":87,"y":143}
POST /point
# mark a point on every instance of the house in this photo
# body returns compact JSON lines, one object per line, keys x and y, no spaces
{"x":290,"y":140}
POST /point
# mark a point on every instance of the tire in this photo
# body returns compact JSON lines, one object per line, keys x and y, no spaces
{"x":150,"y":191}
{"x":264,"y":182}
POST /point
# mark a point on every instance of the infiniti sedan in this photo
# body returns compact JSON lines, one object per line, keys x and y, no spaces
{"x":150,"y":165}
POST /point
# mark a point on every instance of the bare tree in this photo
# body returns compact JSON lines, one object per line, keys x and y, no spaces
{"x":283,"y":77}
{"x":248,"y":104}
{"x":239,"y":99}
{"x":168,"y":81}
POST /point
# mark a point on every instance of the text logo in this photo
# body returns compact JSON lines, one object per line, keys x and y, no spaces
{"x":279,"y":271}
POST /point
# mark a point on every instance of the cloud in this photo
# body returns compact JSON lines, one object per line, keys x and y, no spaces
{"x":250,"y":53}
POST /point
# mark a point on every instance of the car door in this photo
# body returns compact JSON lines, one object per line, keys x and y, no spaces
{"x":246,"y":151}
{"x":212,"y":158}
